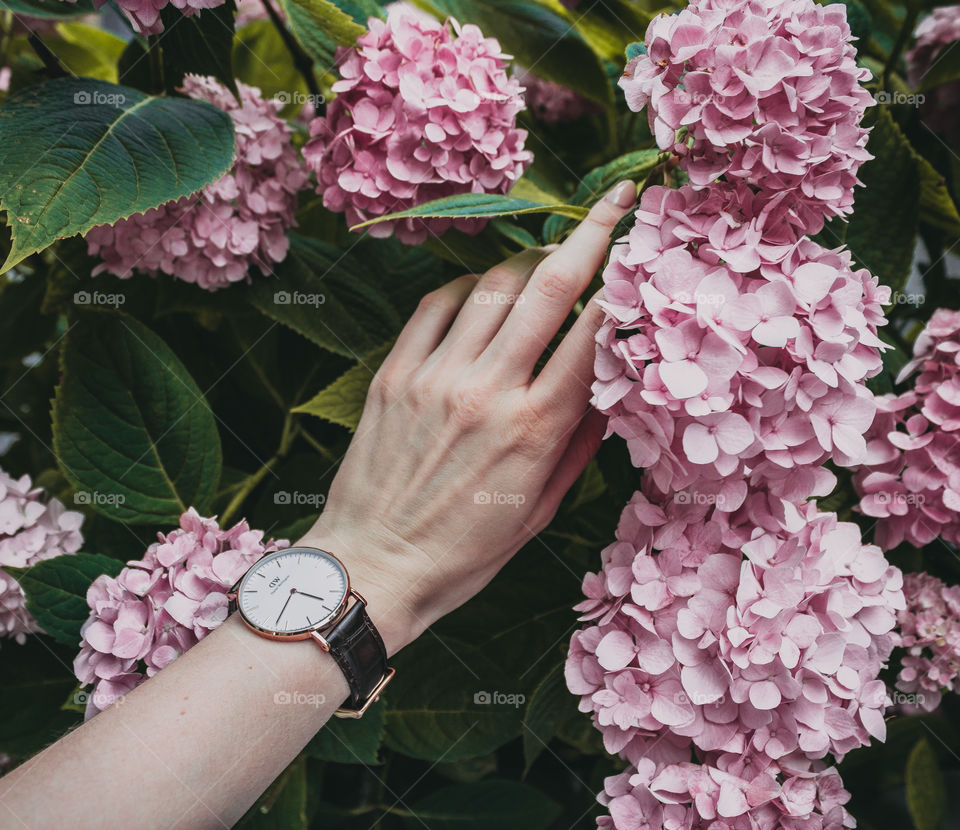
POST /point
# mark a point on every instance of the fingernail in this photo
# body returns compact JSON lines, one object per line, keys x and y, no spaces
{"x":623,"y":194}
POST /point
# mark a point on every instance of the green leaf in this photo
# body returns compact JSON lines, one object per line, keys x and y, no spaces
{"x":85,"y":50}
{"x":56,"y":591}
{"x":131,"y":429}
{"x":937,"y":207}
{"x":75,"y":153}
{"x":284,"y":805}
{"x":945,"y":68}
{"x":326,"y":16}
{"x":926,"y":795}
{"x":477,"y":204}
{"x":882,"y":230}
{"x":48,"y":8}
{"x":506,"y":805}
{"x":261,"y":59}
{"x":542,"y":37}
{"x":449,"y":717}
{"x":342,"y":401}
{"x":610,"y":27}
{"x":201,"y":44}
{"x":550,"y":705}
{"x":327,"y":296}
{"x":37,"y":678}
{"x":314,"y":40}
{"x":635,"y":166}
{"x":350,"y":741}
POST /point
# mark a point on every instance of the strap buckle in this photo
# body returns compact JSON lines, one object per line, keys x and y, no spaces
{"x":373,"y":697}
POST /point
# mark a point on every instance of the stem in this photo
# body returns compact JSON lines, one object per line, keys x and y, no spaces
{"x":302,"y":62}
{"x":906,"y":30}
{"x":313,"y":442}
{"x":50,"y":61}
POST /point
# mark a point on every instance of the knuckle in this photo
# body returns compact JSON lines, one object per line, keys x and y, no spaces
{"x":553,"y":282}
{"x":470,"y":403}
{"x":499,"y":280}
{"x":531,"y":428}
{"x":603,"y":215}
{"x":385,"y":384}
{"x":435,"y":301}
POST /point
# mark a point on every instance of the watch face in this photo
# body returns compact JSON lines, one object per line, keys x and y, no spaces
{"x":293,"y":591}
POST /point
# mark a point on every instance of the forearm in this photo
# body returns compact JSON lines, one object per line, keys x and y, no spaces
{"x":195,"y":745}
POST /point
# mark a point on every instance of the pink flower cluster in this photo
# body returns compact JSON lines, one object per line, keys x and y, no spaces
{"x":929,"y":629}
{"x":722,"y":348}
{"x":910,"y":481}
{"x":742,"y":625}
{"x":33,"y":527}
{"x":161,"y":605}
{"x":213,"y":237}
{"x":552,"y":103}
{"x":420,"y":114}
{"x":144,"y":15}
{"x":767,"y":93}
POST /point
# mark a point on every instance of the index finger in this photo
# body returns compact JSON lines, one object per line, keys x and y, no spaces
{"x":556,"y":285}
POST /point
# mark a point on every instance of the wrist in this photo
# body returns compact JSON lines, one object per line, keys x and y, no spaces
{"x":392,"y":601}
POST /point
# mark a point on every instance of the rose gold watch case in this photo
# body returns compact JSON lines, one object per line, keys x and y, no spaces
{"x":313,"y":631}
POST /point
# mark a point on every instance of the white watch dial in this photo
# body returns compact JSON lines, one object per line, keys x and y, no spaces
{"x":293,"y":590}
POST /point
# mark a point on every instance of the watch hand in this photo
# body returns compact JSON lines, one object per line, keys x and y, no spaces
{"x":284,"y":607}
{"x":312,"y":596}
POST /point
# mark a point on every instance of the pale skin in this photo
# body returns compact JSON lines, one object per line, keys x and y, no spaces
{"x":454,"y":411}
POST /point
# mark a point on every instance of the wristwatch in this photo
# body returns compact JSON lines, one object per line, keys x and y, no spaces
{"x":304,"y":593}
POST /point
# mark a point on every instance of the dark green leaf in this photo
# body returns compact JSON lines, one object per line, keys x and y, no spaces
{"x":550,"y":705}
{"x":945,"y":68}
{"x":284,"y":805}
{"x":48,"y":8}
{"x":329,"y":19}
{"x":454,"y":715}
{"x":261,"y":59}
{"x":937,"y":207}
{"x":477,"y":204}
{"x":201,"y":44}
{"x":35,"y":682}
{"x":926,"y":796}
{"x":506,"y":805}
{"x":56,"y":592}
{"x":314,"y":40}
{"x":342,"y":401}
{"x":131,"y":429}
{"x":883,"y":228}
{"x":351,"y":741}
{"x":609,"y":27}
{"x":329,"y":297}
{"x":75,"y":153}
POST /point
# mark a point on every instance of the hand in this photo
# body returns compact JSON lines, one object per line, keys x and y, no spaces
{"x":462,"y":455}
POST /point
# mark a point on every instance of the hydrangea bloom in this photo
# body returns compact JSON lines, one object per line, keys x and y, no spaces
{"x":419,"y":114}
{"x":213,"y":237}
{"x":161,"y":605}
{"x":930,"y":634}
{"x":552,"y":103}
{"x":144,"y":15}
{"x":721,"y":347}
{"x":910,"y":481}
{"x":940,"y":108}
{"x":33,"y":527}
{"x":767,"y":93}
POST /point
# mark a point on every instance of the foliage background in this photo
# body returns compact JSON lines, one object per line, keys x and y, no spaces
{"x":241,"y":405}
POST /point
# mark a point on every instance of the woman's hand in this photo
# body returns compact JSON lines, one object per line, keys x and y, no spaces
{"x":462,"y":454}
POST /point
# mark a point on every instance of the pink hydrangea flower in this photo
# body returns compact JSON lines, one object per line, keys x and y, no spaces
{"x":721,"y":349}
{"x":33,"y":526}
{"x":419,"y":114}
{"x":552,"y":103}
{"x":765,"y":93}
{"x":144,"y":15}
{"x":213,"y":237}
{"x":161,"y":605}
{"x":929,"y":630}
{"x":910,"y":480}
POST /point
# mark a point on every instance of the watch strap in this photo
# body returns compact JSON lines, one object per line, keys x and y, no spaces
{"x":356,"y":645}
